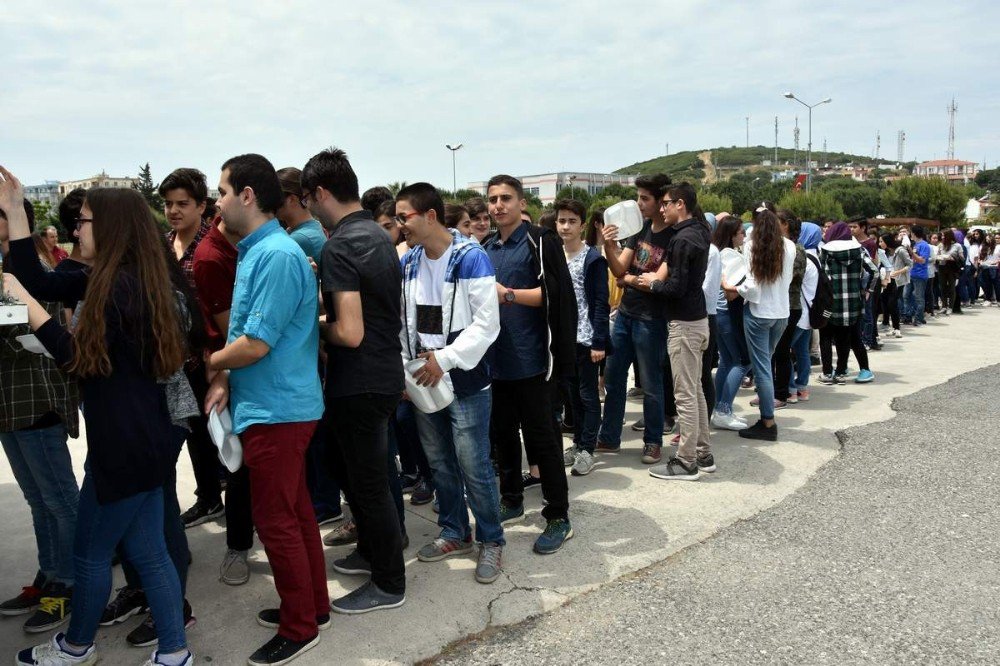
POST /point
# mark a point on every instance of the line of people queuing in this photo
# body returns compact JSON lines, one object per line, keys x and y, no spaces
{"x":307,"y":309}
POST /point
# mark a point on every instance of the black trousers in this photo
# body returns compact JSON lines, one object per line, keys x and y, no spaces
{"x":846,"y":339}
{"x":524,"y":406}
{"x":781,"y":361}
{"x":208,"y":471}
{"x":891,"y":295}
{"x":357,"y":451}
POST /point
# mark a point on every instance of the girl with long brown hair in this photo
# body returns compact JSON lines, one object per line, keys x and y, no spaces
{"x":128,"y":342}
{"x":770,"y":259}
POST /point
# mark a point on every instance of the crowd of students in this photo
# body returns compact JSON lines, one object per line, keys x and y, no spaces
{"x":312,"y":313}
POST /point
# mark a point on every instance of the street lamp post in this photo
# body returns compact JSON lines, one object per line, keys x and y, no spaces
{"x":454,"y":180}
{"x":789,"y":95}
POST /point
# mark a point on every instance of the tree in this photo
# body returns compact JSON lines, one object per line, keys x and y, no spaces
{"x":464,"y":195}
{"x":45,"y":215}
{"x":929,"y":198}
{"x":815,"y":205}
{"x":989,"y":179}
{"x":715,"y":203}
{"x":147,"y":189}
{"x":577,"y":193}
{"x":738,"y":191}
{"x":396,"y":186}
{"x":618,"y":191}
{"x":855,"y":197}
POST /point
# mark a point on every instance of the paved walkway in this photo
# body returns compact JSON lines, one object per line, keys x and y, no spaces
{"x":624,"y":521}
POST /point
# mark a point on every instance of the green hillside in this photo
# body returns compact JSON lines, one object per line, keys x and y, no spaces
{"x":689,"y":165}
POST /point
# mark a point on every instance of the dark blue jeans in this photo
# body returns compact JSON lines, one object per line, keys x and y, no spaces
{"x":457,"y":442}
{"x":137,"y":521}
{"x":646,"y":343}
{"x":988,"y":282}
{"x":173,"y":528}
{"x":43,"y":469}
{"x":586,"y":401}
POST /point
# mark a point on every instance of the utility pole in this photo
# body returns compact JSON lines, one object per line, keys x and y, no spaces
{"x":791,"y":96}
{"x":748,"y":131}
{"x":878,"y":146}
{"x":952,"y":110}
{"x":824,"y":150}
{"x":900,"y":143}
{"x":454,"y":179}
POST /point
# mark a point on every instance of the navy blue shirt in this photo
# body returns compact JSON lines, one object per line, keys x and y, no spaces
{"x":521,"y":349}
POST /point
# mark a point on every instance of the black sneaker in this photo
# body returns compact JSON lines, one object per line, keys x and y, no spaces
{"x":281,"y":650}
{"x":639,"y":426}
{"x":530,"y":481}
{"x":53,"y":609}
{"x":353,"y":565}
{"x":760,"y":431}
{"x":145,"y":634}
{"x":27,"y":601}
{"x":200,"y":513}
{"x":128,"y":602}
{"x":408,"y":482}
{"x":706,"y":463}
{"x":423,"y":493}
{"x":675,"y":469}
{"x":271,"y":618}
{"x":327,"y":516}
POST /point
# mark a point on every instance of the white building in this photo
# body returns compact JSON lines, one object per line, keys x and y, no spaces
{"x":47,"y":193}
{"x":545,"y":186}
{"x":976,"y":209}
{"x":951,"y":170}
{"x":100,"y":180}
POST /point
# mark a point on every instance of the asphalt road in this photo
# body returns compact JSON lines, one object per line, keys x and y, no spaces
{"x":890,"y":554}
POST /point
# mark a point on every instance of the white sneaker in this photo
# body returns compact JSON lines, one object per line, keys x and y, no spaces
{"x":569,"y":456}
{"x":728,"y":421}
{"x":51,"y":654}
{"x":897,"y":333}
{"x":583,"y":464}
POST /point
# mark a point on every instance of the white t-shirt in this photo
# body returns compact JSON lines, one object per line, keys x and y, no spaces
{"x":713,"y":278}
{"x":431,"y":333}
{"x":810,"y":282}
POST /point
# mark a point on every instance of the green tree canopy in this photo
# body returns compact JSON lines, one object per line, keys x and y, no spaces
{"x":929,"y":198}
{"x":618,"y":191}
{"x":989,"y":179}
{"x":815,"y":205}
{"x":855,"y":197}
{"x":148,"y":189}
{"x":577,"y":193}
{"x":711,"y":202}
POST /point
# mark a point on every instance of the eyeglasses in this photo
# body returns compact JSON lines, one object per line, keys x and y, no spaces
{"x":402,"y":218}
{"x":80,"y":221}
{"x":304,"y":199}
{"x":667,"y":202}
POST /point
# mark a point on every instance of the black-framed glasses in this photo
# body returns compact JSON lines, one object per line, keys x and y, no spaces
{"x":304,"y":199}
{"x":667,"y":202}
{"x":80,"y":221}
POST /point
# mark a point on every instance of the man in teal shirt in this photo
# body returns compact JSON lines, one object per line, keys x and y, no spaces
{"x":276,"y":399}
{"x":297,"y":220}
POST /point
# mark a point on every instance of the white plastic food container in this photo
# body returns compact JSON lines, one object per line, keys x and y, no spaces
{"x":220,"y":428}
{"x":16,"y":313}
{"x":626,"y":216}
{"x":428,"y":399}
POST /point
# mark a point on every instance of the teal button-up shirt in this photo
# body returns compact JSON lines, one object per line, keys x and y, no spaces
{"x":274,"y":301}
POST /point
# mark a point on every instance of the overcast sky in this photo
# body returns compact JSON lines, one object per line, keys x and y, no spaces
{"x":527,"y":87}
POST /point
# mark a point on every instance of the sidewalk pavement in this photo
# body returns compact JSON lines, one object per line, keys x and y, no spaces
{"x":624,"y":521}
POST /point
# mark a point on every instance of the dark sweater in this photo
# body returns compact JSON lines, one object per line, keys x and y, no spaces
{"x":595,"y":287}
{"x":687,"y":260}
{"x":128,"y":424}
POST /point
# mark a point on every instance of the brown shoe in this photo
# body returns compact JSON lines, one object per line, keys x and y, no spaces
{"x":605,"y":448}
{"x":345,"y":534}
{"x":650,"y":454}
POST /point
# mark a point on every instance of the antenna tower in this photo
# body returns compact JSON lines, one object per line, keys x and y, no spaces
{"x":952,"y":110}
{"x":900,"y":145}
{"x":824,"y":151}
{"x":878,"y":145}
{"x":776,"y":141}
{"x":795,"y":133}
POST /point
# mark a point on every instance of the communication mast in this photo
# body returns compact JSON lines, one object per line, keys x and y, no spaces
{"x":900,"y":144}
{"x":795,"y":133}
{"x":776,"y":141}
{"x":952,"y":110}
{"x":878,"y":145}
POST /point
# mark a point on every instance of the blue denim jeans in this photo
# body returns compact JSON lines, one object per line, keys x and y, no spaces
{"x":173,"y":527}
{"x":645,"y":342}
{"x":988,"y":282}
{"x":800,"y":354}
{"x":43,"y":469}
{"x":762,"y":338}
{"x":914,"y":298}
{"x":138,"y":522}
{"x":457,"y":443}
{"x":586,"y":400}
{"x":731,"y":370}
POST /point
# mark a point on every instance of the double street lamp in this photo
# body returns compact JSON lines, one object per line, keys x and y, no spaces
{"x":454,"y":180}
{"x":789,"y":95}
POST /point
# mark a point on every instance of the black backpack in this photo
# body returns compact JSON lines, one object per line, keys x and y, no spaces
{"x":819,"y":309}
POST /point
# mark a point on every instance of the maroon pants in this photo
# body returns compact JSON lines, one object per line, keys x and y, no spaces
{"x":286,"y":523}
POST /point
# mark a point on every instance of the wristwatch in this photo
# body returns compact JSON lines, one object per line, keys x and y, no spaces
{"x":508,"y":297}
